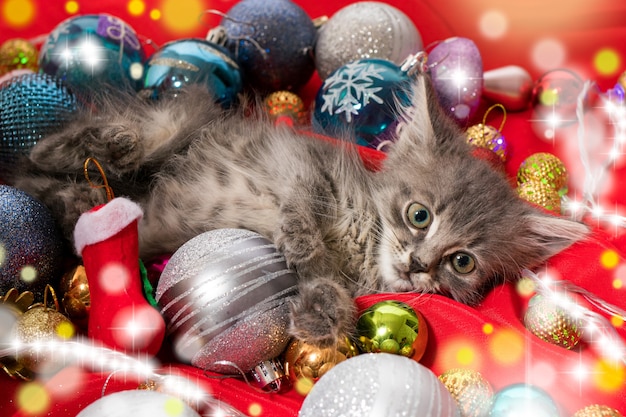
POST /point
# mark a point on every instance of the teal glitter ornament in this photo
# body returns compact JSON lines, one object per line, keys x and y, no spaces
{"x":523,"y":400}
{"x":363,"y":98}
{"x":92,"y":53}
{"x":31,"y":247}
{"x":272,"y":40}
{"x":193,"y":61}
{"x":32,"y":106}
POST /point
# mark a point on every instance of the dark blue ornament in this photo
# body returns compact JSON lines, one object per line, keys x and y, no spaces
{"x":193,"y":61}
{"x":31,"y":248}
{"x":363,"y":98}
{"x":32,"y":106}
{"x":94,"y":52}
{"x":272,"y":40}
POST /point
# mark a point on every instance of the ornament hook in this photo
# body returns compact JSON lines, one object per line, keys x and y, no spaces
{"x":53,"y":294}
{"x":105,"y":185}
{"x":498,"y":105}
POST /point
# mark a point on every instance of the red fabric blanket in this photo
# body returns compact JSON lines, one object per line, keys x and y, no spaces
{"x":490,"y":338}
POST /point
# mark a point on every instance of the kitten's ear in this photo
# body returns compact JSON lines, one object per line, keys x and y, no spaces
{"x":424,"y":123}
{"x":550,"y":234}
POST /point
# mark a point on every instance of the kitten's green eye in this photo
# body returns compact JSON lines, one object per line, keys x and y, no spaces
{"x":463,"y":263}
{"x":419,"y":216}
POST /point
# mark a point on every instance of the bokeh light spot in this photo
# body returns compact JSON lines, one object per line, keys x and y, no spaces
{"x":303,"y":385}
{"x":609,"y":376}
{"x":33,"y":398}
{"x":465,"y":355}
{"x":617,"y":321}
{"x":618,"y":284}
{"x":65,"y":330}
{"x":606,"y":61}
{"x":181,"y":16}
{"x":542,"y":373}
{"x":255,"y":410}
{"x":114,"y":278}
{"x":155,"y":14}
{"x":28,"y":273}
{"x":493,"y":24}
{"x":488,"y":328}
{"x":525,"y":287}
{"x":609,"y":259}
{"x":548,"y":54}
{"x":18,"y":13}
{"x":461,"y":353}
{"x":549,"y":97}
{"x":136,"y":7}
{"x":174,"y":407}
{"x":506,"y":347}
{"x":71,"y":7}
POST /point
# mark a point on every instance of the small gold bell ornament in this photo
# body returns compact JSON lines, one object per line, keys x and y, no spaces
{"x":306,"y":364}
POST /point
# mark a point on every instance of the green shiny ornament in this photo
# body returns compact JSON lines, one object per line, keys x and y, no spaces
{"x":392,"y":327}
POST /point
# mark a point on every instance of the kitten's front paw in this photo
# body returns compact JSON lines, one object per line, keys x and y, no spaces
{"x":323,"y":315}
{"x":124,"y":148}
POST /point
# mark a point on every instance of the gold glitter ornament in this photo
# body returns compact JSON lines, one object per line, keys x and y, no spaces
{"x":41,"y":324}
{"x":545,"y":168}
{"x":470,"y":390}
{"x":551,"y":323}
{"x":540,"y":194}
{"x":597,"y":410}
{"x":285,"y":104}
{"x":303,"y":360}
{"x":12,"y":305}
{"x":17,"y":54}
{"x":486,"y":136}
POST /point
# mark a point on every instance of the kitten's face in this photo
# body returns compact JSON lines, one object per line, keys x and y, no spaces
{"x":449,"y":230}
{"x":450,"y":224}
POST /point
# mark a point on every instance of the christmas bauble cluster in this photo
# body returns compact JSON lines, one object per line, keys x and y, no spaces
{"x":225,"y":295}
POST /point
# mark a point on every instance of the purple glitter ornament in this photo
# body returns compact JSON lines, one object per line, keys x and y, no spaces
{"x":456,"y":67}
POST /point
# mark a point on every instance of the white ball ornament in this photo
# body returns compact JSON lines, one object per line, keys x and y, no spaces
{"x":365,"y":29}
{"x":138,"y":403}
{"x":225,"y":296}
{"x":381,"y":385}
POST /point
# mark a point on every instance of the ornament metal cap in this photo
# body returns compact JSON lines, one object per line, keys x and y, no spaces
{"x":270,"y":376}
{"x":415,"y":64}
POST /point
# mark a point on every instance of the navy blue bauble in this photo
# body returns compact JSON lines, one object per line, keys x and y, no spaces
{"x":32,"y":106}
{"x":94,"y":52}
{"x":193,"y":61}
{"x":363,"y":99}
{"x":31,"y":248}
{"x":272,"y":40}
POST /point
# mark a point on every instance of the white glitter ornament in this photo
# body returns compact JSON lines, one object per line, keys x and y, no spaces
{"x":138,"y":403}
{"x":382,"y":385}
{"x":365,"y":29}
{"x":225,"y":296}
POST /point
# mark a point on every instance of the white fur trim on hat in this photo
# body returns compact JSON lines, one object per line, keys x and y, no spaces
{"x":99,"y":225}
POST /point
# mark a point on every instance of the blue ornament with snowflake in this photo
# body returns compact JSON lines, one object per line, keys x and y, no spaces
{"x":363,"y":98}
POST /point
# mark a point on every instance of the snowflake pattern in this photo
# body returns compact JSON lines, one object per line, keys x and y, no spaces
{"x":350,"y":89}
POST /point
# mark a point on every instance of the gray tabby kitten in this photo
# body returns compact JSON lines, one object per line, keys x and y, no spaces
{"x":433,"y":219}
